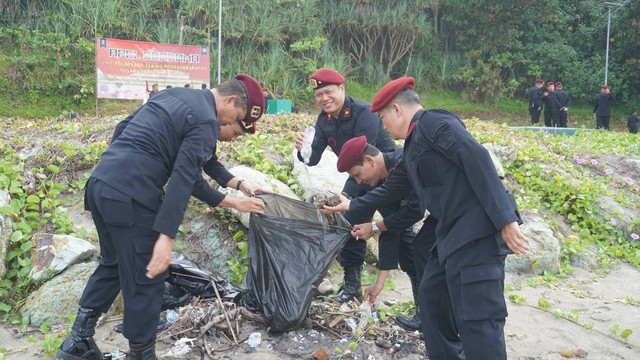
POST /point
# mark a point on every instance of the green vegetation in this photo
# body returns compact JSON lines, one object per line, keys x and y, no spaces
{"x":48,"y":55}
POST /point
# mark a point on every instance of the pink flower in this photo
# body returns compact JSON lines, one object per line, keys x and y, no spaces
{"x":611,"y":241}
{"x":628,"y":180}
{"x":594,"y":162}
{"x":608,"y":171}
{"x":615,"y":184}
{"x":580,"y":161}
{"x":575,"y":183}
{"x":635,"y":236}
{"x":613,"y":222}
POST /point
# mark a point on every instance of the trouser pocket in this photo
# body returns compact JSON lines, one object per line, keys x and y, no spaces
{"x":116,"y":207}
{"x":483,"y":292}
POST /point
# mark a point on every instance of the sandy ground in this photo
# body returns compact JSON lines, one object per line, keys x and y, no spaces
{"x":531,"y":333}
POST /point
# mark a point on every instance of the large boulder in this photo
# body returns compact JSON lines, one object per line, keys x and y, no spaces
{"x":53,"y":253}
{"x":544,"y":253}
{"x":58,"y":298}
{"x":321,"y":177}
{"x":6,"y":228}
{"x":261,"y":180}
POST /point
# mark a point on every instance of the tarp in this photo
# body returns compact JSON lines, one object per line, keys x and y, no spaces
{"x":291,"y":247}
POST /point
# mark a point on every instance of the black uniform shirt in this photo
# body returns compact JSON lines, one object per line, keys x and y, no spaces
{"x":455,"y":181}
{"x":355,"y":119}
{"x":602,"y":106}
{"x":550,"y":103}
{"x":535,"y":98}
{"x":563,"y":99}
{"x":168,"y":139}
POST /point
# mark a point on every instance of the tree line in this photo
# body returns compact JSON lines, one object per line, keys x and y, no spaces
{"x":486,"y":50}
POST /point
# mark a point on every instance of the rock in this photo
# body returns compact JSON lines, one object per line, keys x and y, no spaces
{"x":544,"y":253}
{"x":6,"y":228}
{"x":58,"y":298}
{"x":260,"y":180}
{"x":507,"y":154}
{"x":622,"y":217}
{"x":371,"y":254}
{"x":218,"y":253}
{"x":53,"y":253}
{"x":322,"y":177}
{"x":495,"y":159}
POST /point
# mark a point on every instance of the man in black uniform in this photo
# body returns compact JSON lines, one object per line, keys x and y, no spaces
{"x":535,"y":101}
{"x":168,"y":141}
{"x":550,"y":108}
{"x":367,"y":165}
{"x":154,"y":90}
{"x":602,"y":108}
{"x":476,"y":226}
{"x":632,"y":122}
{"x":341,"y":119}
{"x":563,"y":101}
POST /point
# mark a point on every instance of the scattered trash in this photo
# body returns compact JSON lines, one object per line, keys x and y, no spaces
{"x":172,"y":316}
{"x":254,"y":339}
{"x":576,"y":352}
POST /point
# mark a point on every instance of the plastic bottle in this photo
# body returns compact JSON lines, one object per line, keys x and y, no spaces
{"x":305,"y":152}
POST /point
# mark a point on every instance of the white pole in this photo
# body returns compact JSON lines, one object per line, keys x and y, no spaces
{"x":219,"y":37}
{"x":606,"y":61}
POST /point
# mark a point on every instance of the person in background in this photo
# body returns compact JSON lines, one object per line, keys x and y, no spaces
{"x":535,"y":101}
{"x":602,"y":108}
{"x":138,"y":194}
{"x":342,"y":118}
{"x":204,"y":86}
{"x":187,"y":85}
{"x":632,"y":122}
{"x":154,"y":90}
{"x":550,"y":107}
{"x":563,"y":101}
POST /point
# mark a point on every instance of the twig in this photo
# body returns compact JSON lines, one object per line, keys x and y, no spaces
{"x":225,"y":312}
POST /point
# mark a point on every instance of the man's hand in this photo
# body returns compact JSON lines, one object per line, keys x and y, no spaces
{"x":371,"y":293}
{"x":251,"y":190}
{"x":250,"y":204}
{"x":299,"y":140}
{"x":161,"y":257}
{"x":514,"y":238}
{"x":362,"y":231}
{"x":342,"y":207}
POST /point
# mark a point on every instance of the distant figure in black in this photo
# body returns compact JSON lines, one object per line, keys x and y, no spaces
{"x":602,"y":108}
{"x":563,"y":101}
{"x":204,"y":86}
{"x":535,"y":101}
{"x":549,"y":101}
{"x":154,"y":90}
{"x":632,"y":122}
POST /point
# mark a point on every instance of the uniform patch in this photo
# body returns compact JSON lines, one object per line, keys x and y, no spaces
{"x":445,"y":140}
{"x":329,"y":118}
{"x":332,"y":142}
{"x":346,"y":113}
{"x":313,"y":83}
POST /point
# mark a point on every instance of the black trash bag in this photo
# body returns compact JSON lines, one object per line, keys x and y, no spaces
{"x":187,"y":279}
{"x":291,"y":247}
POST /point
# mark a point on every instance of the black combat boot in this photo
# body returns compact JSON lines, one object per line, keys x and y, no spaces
{"x":79,"y":345}
{"x":146,"y":351}
{"x":414,"y":323}
{"x":352,"y":287}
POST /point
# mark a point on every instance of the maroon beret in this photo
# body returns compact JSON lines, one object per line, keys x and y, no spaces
{"x":324,"y":77}
{"x":550,"y":83}
{"x":539,"y":81}
{"x":605,"y":87}
{"x":559,"y":83}
{"x":389,"y":91}
{"x":351,"y":153}
{"x":255,"y":102}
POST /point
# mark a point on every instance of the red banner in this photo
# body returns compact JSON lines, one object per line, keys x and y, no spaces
{"x":124,"y":67}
